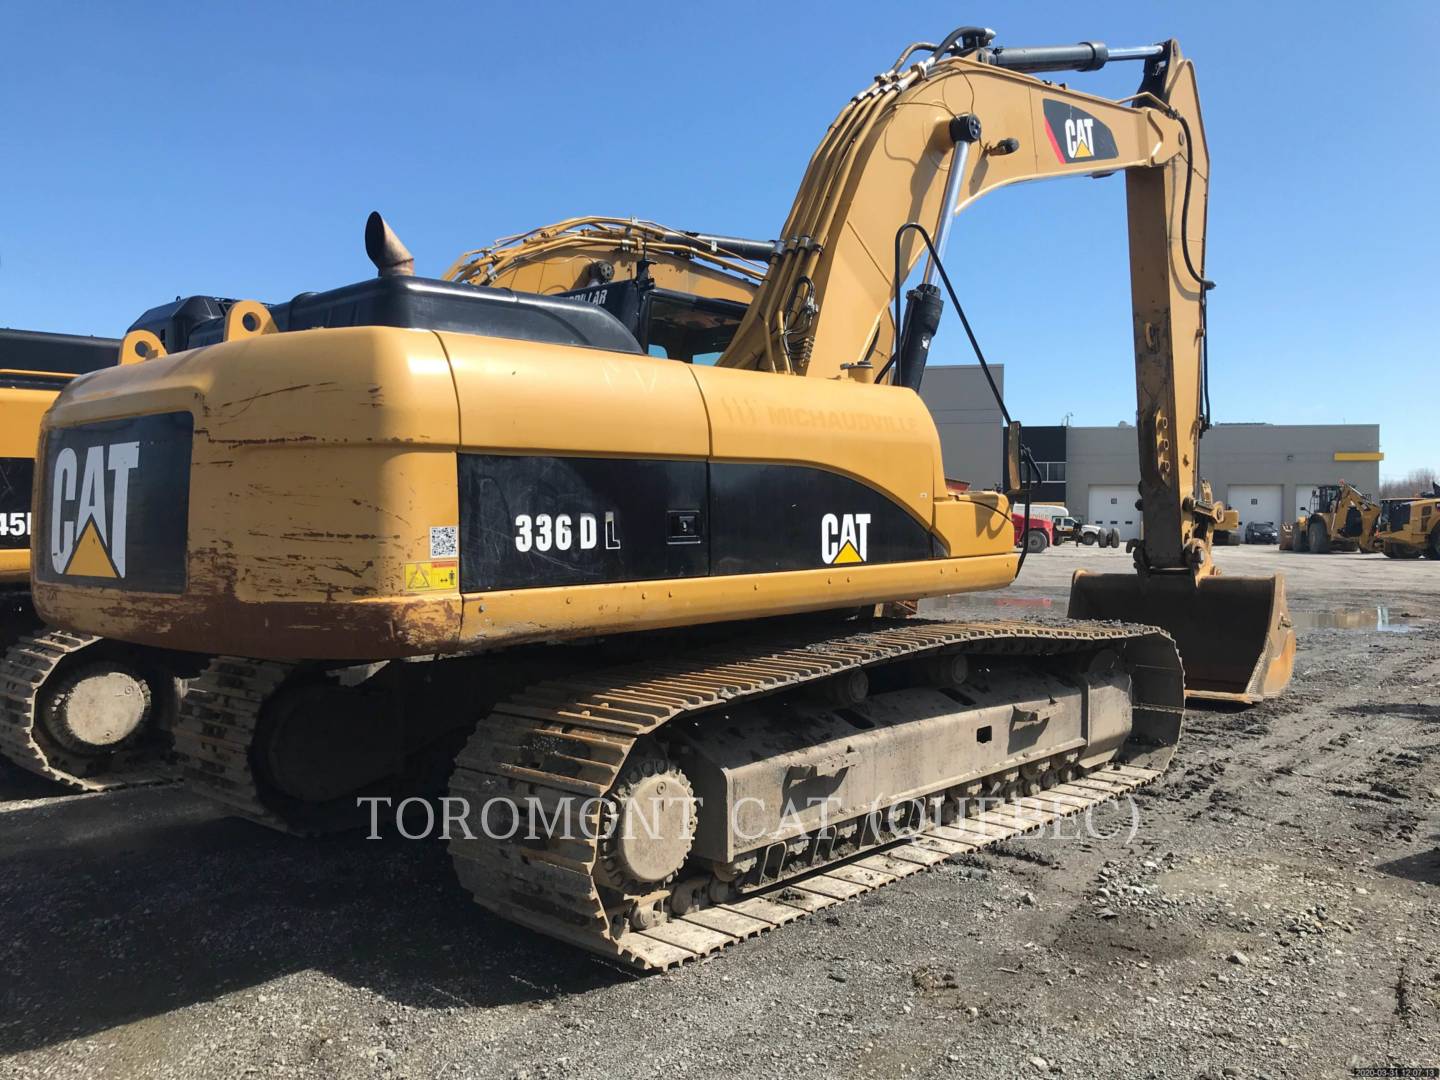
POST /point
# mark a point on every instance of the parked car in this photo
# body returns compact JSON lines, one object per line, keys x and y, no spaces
{"x":1262,"y":532}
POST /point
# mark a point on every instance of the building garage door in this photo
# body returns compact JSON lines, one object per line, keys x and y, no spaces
{"x":1112,"y":506}
{"x":1256,"y":502}
{"x":1303,"y":493}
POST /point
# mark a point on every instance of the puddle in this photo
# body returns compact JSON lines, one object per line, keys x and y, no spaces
{"x":1369,"y":618}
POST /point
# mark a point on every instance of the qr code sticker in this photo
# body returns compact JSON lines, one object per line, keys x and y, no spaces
{"x":444,"y":541}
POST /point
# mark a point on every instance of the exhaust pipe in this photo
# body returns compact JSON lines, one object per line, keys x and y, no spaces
{"x":390,"y":256}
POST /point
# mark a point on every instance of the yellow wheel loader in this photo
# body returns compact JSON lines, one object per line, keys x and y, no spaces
{"x":1341,"y":518}
{"x":1410,"y":528}
{"x":632,"y":590}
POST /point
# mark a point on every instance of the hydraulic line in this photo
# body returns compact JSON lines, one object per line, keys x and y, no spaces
{"x":939,"y":265}
{"x":1205,"y":284}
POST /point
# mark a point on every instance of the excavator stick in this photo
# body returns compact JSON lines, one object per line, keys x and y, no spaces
{"x":1235,"y":636}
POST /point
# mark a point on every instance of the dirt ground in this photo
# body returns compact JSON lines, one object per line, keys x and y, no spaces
{"x":1275,"y":914}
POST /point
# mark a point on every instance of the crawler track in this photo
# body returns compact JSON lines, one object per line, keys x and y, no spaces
{"x":214,"y":733}
{"x":26,"y":668}
{"x":568,"y":738}
{"x":221,"y":736}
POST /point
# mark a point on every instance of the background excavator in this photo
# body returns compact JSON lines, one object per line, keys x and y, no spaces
{"x":630,"y":590}
{"x":89,"y":713}
{"x":682,"y":295}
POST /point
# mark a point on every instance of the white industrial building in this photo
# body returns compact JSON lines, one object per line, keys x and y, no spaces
{"x":1265,"y":471}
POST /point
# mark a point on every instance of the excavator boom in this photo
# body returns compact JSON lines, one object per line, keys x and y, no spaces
{"x":682,"y":294}
{"x":945,"y":131}
{"x":590,"y":252}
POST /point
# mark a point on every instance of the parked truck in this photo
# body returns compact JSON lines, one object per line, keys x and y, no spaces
{"x":1034,"y":534}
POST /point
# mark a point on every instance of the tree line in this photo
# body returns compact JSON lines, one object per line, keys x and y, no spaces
{"x":1415,"y":482}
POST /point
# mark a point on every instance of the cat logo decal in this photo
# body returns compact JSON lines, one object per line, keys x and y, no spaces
{"x":844,"y":538}
{"x":89,"y":509}
{"x":1076,"y":136}
{"x":112,"y":504}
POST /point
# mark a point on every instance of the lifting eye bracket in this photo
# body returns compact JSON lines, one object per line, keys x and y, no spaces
{"x":248,"y":318}
{"x":140,"y":345}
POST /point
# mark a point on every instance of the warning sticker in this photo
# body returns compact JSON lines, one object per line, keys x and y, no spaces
{"x":437,"y":575}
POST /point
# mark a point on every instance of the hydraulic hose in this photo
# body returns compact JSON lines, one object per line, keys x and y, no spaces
{"x":1205,"y":284}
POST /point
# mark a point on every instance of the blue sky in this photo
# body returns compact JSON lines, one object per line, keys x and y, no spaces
{"x":157,"y":149}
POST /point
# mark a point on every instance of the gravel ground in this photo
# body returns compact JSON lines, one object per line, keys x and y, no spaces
{"x":1274,"y":914}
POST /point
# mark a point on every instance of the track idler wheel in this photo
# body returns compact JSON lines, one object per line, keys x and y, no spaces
{"x":98,"y":709}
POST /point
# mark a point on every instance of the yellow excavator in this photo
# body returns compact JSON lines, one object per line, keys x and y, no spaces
{"x":587,"y":253}
{"x":89,"y":713}
{"x":681,"y":294}
{"x":95,"y":715}
{"x":632,"y":593}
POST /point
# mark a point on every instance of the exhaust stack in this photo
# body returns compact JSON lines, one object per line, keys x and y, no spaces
{"x":390,"y":256}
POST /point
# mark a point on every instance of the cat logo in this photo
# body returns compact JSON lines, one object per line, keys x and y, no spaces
{"x":1079,"y":137}
{"x":112,"y":504}
{"x":1075,"y":135}
{"x":844,"y":538}
{"x":89,"y":503}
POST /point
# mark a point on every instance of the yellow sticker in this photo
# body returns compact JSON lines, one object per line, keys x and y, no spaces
{"x":437,"y":575}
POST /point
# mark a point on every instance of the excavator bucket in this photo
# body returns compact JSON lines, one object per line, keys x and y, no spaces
{"x":1235,"y":636}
